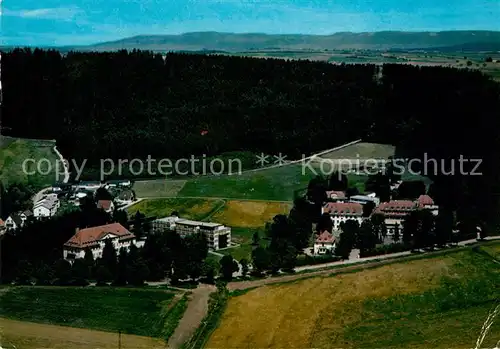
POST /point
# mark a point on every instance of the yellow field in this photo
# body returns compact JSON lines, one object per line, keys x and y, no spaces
{"x":28,"y":335}
{"x":320,"y":312}
{"x":249,"y":214}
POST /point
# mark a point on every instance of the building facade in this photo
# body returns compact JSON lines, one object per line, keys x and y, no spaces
{"x":94,"y":238}
{"x":341,"y":212}
{"x":324,"y":244}
{"x":395,"y":212}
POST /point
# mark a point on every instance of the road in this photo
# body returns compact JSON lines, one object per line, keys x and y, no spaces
{"x":38,"y":196}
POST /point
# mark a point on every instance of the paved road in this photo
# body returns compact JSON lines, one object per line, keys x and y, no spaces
{"x":38,"y":196}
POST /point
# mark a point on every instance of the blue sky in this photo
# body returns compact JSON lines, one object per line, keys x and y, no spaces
{"x":75,"y":22}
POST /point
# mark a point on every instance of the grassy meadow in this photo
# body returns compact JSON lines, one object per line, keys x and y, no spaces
{"x":13,"y":153}
{"x":149,"y":313}
{"x":435,"y":302}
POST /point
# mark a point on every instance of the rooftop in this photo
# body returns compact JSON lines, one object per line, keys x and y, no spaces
{"x":325,"y":237}
{"x":343,"y":208}
{"x":197,"y":223}
{"x":91,"y":236}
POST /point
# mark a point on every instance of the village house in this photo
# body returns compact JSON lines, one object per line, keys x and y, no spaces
{"x":218,"y":235}
{"x":343,"y":211}
{"x":14,"y":221}
{"x":336,"y":196}
{"x":94,"y":239}
{"x":325,"y":243}
{"x":395,"y":212}
{"x":106,"y":205}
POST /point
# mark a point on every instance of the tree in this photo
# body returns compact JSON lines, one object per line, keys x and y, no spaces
{"x":122,"y":271}
{"x":378,"y":223}
{"x":196,"y":248}
{"x":344,"y":246}
{"x":227,"y":267}
{"x":367,"y":238}
{"x":120,"y":216}
{"x":337,"y":182}
{"x":244,"y":266}
{"x":300,"y":223}
{"x":351,"y":192}
{"x":325,"y":223}
{"x":103,"y":275}
{"x":444,"y":227}
{"x":469,"y":63}
{"x":43,"y":273}
{"x":255,"y":238}
{"x":396,"y":236}
{"x":102,"y":194}
{"x":260,"y":260}
{"x":379,"y":184}
{"x":210,"y":269}
{"x":109,"y":257}
{"x":62,"y":270}
{"x":175,"y":213}
{"x":488,"y":60}
{"x":89,"y":262}
{"x":368,"y":208}
{"x":316,"y":192}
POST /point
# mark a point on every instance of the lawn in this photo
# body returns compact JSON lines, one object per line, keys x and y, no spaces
{"x":277,"y":183}
{"x":14,"y":152}
{"x":437,"y":302}
{"x":492,"y":249}
{"x":158,"y":188}
{"x":131,"y":311}
{"x":196,"y":209}
{"x":28,"y":335}
{"x":362,"y":150}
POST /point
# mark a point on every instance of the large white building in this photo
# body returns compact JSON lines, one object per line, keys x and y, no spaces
{"x":343,"y":211}
{"x":364,"y":199}
{"x":47,"y":207}
{"x":94,"y":239}
{"x":218,"y":235}
{"x":395,"y":212}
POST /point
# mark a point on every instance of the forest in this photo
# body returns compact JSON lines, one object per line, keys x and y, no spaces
{"x":131,"y":104}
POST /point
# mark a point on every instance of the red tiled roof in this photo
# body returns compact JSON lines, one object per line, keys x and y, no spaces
{"x":325,"y":237}
{"x":104,"y":204}
{"x":335,"y":194}
{"x":91,"y":236}
{"x":424,"y":200}
{"x":395,"y":207}
{"x":343,"y":208}
{"x":2,"y":222}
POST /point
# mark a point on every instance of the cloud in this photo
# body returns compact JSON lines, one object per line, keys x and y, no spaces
{"x":58,"y":13}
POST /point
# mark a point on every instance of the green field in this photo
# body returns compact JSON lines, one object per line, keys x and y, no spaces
{"x":158,"y":188}
{"x":196,"y":209}
{"x":440,"y":301}
{"x":150,"y":313}
{"x":13,"y":153}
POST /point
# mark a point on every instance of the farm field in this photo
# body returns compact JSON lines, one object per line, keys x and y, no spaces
{"x":196,"y":209}
{"x":131,"y":311}
{"x":13,"y":153}
{"x":29,"y":335}
{"x":249,"y":214}
{"x":435,"y":302}
{"x":158,"y":187}
{"x":362,"y":150}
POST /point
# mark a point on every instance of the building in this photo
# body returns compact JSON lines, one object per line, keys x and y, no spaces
{"x":14,"y":221}
{"x":395,"y":212}
{"x":61,"y":187}
{"x":218,"y":235}
{"x":343,"y":211}
{"x":94,"y":239}
{"x":106,"y":205}
{"x":125,"y":196}
{"x":89,"y":185}
{"x":2,"y":225}
{"x":118,"y":183}
{"x":336,"y":196}
{"x":325,"y":243}
{"x":47,"y":207}
{"x":364,"y":199}
{"x":425,"y":202}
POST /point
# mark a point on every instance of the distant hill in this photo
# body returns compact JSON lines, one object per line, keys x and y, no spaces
{"x":230,"y":42}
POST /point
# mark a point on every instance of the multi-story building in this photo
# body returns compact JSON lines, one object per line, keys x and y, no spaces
{"x":218,"y":235}
{"x":425,"y":202}
{"x":336,"y":196}
{"x":343,"y":211}
{"x":364,"y":199}
{"x":95,"y":238}
{"x":325,"y":243}
{"x":47,"y":207}
{"x":395,"y":212}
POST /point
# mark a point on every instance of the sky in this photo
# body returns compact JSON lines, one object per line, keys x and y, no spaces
{"x":82,"y":22}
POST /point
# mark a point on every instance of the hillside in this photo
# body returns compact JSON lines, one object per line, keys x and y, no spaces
{"x":14,"y":152}
{"x":216,"y":41}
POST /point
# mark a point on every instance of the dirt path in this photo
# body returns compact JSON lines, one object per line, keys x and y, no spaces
{"x":197,"y":310}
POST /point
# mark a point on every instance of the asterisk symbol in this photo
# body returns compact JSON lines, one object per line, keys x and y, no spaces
{"x":262,"y":159}
{"x":280,"y":159}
